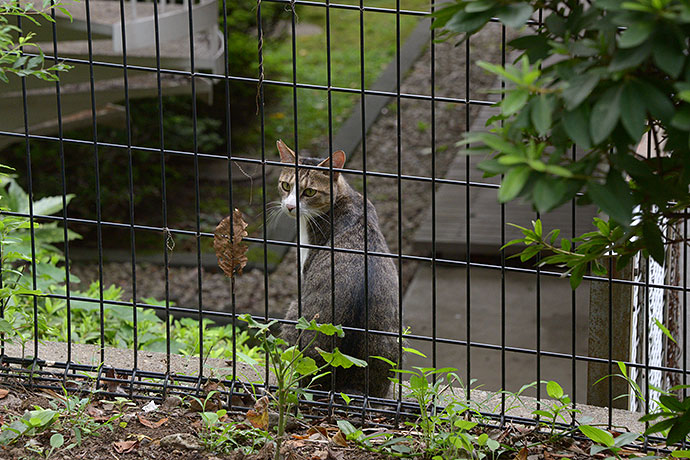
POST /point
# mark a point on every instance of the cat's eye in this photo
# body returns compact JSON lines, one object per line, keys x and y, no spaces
{"x":285,"y":186}
{"x":309,"y":192}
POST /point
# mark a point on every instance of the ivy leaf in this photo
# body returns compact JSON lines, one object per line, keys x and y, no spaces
{"x":605,"y":114}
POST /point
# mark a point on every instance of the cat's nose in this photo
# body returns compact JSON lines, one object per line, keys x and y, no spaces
{"x":290,"y":207}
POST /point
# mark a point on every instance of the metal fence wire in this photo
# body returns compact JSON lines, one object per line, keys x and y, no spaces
{"x":461,"y":300}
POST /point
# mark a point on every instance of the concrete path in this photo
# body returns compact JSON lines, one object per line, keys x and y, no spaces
{"x":522,"y":324}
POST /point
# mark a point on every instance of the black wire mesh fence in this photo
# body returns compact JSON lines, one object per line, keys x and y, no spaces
{"x":164,"y":125}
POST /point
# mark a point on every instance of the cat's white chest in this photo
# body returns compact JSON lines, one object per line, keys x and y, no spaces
{"x":303,"y":239}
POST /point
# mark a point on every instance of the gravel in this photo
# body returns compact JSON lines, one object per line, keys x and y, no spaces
{"x":381,"y":147}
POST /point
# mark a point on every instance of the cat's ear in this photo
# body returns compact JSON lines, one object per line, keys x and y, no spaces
{"x":286,"y":154}
{"x":338,"y":158}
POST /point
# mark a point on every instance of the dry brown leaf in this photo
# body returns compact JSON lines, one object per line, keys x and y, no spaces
{"x":4,"y":392}
{"x":317,"y":429}
{"x":150,"y":424}
{"x":339,"y":439}
{"x":226,"y":242}
{"x":114,"y":387}
{"x":522,"y":455}
{"x":259,"y":416}
{"x":124,"y":447}
{"x":97,"y":414}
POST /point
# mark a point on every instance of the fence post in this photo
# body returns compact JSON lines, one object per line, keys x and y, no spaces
{"x":598,"y":346}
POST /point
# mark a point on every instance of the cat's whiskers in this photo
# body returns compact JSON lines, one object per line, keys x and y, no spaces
{"x":273,"y":211}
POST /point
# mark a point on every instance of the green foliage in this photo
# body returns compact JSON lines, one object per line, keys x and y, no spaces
{"x":228,"y":437}
{"x":13,"y":60}
{"x":18,"y":292}
{"x":446,"y":432}
{"x":293,"y":370}
{"x":579,"y":254}
{"x":555,"y":412}
{"x":605,"y":441}
{"x":600,"y":76}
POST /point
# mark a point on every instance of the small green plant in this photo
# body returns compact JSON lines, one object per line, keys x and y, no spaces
{"x":557,"y":409}
{"x":32,"y":423}
{"x":293,"y":370}
{"x":226,"y":437}
{"x":446,"y":432}
{"x":605,"y":441}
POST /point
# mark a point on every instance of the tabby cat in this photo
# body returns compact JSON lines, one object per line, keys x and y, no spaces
{"x":351,"y":289}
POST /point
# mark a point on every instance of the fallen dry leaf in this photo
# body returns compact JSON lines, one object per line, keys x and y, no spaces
{"x":226,"y":242}
{"x":339,"y":439}
{"x":317,"y":429}
{"x":97,"y":414}
{"x":150,"y":424}
{"x":259,"y":416}
{"x":4,"y":392}
{"x":522,"y":455}
{"x":114,"y":387}
{"x":124,"y":447}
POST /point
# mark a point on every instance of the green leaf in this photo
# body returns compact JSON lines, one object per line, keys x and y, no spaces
{"x":597,"y":435}
{"x":346,"y":427}
{"x":666,"y":332}
{"x":325,"y":329}
{"x":413,"y":351}
{"x":541,"y":113}
{"x":57,"y":440}
{"x":680,"y":454}
{"x":668,"y":55}
{"x":656,"y":101}
{"x":635,"y":34}
{"x":306,"y":366}
{"x":554,"y":390}
{"x":417,"y":382}
{"x":614,"y":198}
{"x":465,"y":424}
{"x":549,"y":193}
{"x":513,"y":183}
{"x":576,"y":124}
{"x":514,"y":15}
{"x":624,"y":439}
{"x":605,"y":114}
{"x":514,"y":101}
{"x":653,"y":241}
{"x":679,"y":430}
{"x":579,"y":88}
{"x":339,"y":359}
{"x":626,"y":58}
{"x":633,"y":113}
